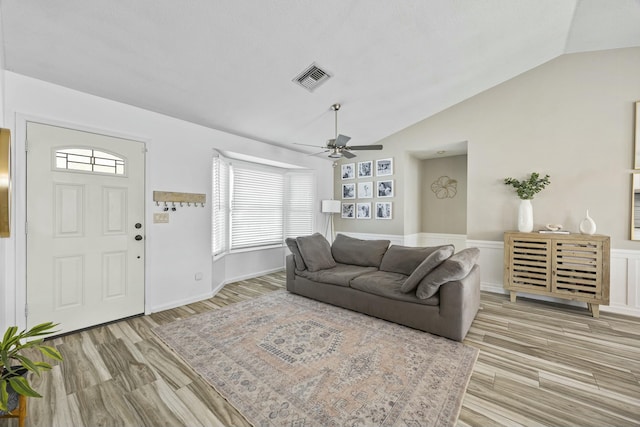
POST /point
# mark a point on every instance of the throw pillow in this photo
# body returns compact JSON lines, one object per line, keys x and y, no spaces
{"x":297,"y":256}
{"x":432,"y":261}
{"x":316,"y":252}
{"x":405,"y":259}
{"x":365,"y":253}
{"x":455,"y":268}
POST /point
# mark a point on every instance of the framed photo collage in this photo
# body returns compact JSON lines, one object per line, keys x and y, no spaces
{"x":358,"y":195}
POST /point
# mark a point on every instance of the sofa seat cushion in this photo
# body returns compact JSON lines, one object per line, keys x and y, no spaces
{"x":340,"y":275}
{"x":405,"y":259}
{"x":316,"y":252}
{"x":367,"y":253}
{"x":388,"y":285}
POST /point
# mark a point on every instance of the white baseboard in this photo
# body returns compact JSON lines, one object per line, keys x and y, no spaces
{"x":179,"y":303}
{"x":624,"y":281}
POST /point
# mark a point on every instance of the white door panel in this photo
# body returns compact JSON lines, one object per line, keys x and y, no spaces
{"x":84,"y":264}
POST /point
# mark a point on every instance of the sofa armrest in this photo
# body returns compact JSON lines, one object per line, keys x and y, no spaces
{"x":460,"y":300}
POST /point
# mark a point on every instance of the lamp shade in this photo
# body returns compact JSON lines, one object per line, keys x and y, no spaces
{"x":330,"y":206}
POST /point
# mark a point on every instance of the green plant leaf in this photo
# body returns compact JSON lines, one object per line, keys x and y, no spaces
{"x":4,"y":396}
{"x":27,"y":363}
{"x":9,"y":333}
{"x":21,"y":386}
{"x":50,"y":352}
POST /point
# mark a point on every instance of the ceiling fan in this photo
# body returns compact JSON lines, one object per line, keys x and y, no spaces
{"x":337,"y":147}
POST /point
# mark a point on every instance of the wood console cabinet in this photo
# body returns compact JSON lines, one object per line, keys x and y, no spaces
{"x":570,"y":266}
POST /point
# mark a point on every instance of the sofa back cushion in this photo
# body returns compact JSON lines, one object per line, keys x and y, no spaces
{"x":455,"y":268}
{"x":366,"y":253}
{"x":316,"y":252}
{"x":434,"y":259}
{"x":297,"y":256}
{"x":405,"y":259}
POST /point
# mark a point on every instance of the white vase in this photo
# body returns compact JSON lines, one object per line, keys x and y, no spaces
{"x":587,"y":225}
{"x":525,"y":216}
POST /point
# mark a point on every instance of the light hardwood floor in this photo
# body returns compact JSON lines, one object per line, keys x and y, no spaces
{"x":540,"y":364}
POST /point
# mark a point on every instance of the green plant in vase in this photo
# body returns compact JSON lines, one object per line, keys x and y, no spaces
{"x":527,"y":188}
{"x":14,"y":364}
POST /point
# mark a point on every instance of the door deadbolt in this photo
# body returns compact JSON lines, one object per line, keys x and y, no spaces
{"x":138,"y":225}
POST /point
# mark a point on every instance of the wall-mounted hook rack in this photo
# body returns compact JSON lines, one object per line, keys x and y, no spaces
{"x":180,"y":198}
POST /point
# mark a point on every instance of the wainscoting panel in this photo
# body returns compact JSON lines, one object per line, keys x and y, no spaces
{"x":625,"y":268}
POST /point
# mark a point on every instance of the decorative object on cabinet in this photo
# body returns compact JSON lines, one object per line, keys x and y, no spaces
{"x":587,"y":225}
{"x":574,"y":267}
{"x":525,"y":216}
{"x":445,"y":187}
{"x":526,"y":189}
{"x":5,"y":183}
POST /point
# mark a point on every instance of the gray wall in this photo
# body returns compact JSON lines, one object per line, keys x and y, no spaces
{"x":572,"y":118}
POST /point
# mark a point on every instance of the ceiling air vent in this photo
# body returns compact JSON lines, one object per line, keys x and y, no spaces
{"x":312,"y":77}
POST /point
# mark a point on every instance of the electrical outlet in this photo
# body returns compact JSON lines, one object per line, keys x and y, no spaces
{"x":161,"y":218}
{"x":198,"y":276}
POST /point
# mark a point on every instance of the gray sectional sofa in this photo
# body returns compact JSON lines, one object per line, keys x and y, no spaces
{"x":426,"y":288}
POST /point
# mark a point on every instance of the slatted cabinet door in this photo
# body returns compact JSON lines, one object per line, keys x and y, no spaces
{"x":577,"y":269}
{"x":527,"y":263}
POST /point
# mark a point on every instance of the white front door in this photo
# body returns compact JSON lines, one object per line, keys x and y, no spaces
{"x":85,"y":230}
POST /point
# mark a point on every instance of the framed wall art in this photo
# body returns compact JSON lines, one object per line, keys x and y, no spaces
{"x":349,"y":191}
{"x":363,"y":210}
{"x":348,"y":210}
{"x":365,"y":190}
{"x":384,"y":167}
{"x":365,"y":169}
{"x":385,"y":188}
{"x":348,"y":171}
{"x":383,"y":210}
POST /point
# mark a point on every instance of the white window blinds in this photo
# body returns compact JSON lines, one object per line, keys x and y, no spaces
{"x":257,"y":214}
{"x":299,"y":210}
{"x":220,"y":205}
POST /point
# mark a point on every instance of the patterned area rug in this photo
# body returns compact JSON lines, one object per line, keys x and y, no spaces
{"x":282,"y":359}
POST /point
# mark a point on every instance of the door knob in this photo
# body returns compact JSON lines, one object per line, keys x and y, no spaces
{"x":138,"y":237}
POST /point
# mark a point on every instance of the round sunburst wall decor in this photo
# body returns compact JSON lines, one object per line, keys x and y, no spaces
{"x":445,"y":187}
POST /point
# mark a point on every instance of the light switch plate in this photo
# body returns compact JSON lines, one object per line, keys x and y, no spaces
{"x":161,"y":218}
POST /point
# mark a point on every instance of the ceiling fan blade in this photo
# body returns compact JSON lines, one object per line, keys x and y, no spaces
{"x":342,"y":140}
{"x":319,"y":152}
{"x":308,"y":145}
{"x":364,"y":147}
{"x":348,"y":154}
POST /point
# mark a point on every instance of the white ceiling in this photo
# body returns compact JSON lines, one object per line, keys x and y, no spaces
{"x":228,"y":64}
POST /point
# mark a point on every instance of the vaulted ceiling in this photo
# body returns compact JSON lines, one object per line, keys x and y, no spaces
{"x":229,"y":64}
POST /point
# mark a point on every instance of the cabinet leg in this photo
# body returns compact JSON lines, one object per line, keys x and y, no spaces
{"x":594,"y":309}
{"x":513,"y":295}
